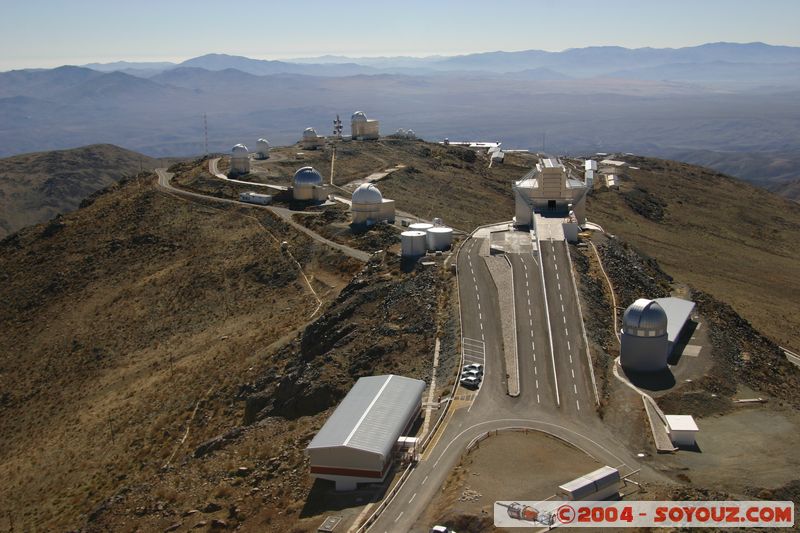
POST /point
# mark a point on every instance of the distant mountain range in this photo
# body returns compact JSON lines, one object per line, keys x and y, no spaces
{"x":726,"y":61}
{"x":711,"y":100}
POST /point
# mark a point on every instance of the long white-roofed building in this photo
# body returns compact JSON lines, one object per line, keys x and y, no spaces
{"x":358,"y":441}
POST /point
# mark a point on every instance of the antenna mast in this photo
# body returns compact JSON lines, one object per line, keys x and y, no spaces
{"x":205,"y":133}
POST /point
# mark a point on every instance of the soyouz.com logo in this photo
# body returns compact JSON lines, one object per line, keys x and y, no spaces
{"x":725,"y":514}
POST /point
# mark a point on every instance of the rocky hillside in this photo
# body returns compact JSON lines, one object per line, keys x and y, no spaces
{"x":254,"y":475}
{"x":724,"y":237}
{"x":36,"y":187}
{"x":127,"y":329}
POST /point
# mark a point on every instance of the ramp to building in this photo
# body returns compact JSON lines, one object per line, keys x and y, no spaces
{"x":549,"y":227}
{"x":658,"y":426}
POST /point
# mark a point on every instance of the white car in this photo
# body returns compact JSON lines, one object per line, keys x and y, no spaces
{"x":472,"y":374}
{"x":470,"y":382}
{"x":474,"y":367}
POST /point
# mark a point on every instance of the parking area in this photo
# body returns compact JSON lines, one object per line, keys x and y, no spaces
{"x":474,"y":353}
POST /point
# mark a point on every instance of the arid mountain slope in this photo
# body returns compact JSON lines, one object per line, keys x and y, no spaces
{"x":126,"y":329}
{"x":721,"y":235}
{"x":36,"y":187}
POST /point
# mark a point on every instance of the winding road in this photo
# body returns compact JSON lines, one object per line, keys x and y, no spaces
{"x":573,"y":420}
{"x":164,"y":183}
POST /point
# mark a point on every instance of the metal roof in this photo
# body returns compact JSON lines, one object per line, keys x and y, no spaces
{"x":645,"y":318}
{"x":591,"y":482}
{"x":372,"y":415}
{"x":681,"y":423}
{"x":678,"y":312}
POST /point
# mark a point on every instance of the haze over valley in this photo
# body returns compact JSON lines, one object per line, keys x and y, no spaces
{"x":734,"y":107}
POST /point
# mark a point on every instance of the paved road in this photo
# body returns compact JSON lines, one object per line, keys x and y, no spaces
{"x":212,"y":168}
{"x":533,"y":341}
{"x":492,"y":408}
{"x":164,"y":178}
{"x":574,"y":381}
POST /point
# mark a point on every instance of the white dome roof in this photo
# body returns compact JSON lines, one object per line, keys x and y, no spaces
{"x":359,"y":116}
{"x":367,"y":193}
{"x":309,"y":133}
{"x":645,"y":318}
{"x":307,"y":176}
{"x":239,"y":150}
{"x":262,"y":143}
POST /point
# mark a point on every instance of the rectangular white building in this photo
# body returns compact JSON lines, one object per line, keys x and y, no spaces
{"x":357,"y":443}
{"x":255,"y":198}
{"x":598,"y":485}
{"x":682,"y":430}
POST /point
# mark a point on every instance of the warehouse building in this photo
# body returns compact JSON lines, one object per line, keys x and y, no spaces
{"x":369,"y":206}
{"x":357,"y":443}
{"x":362,"y":128}
{"x":548,"y":189}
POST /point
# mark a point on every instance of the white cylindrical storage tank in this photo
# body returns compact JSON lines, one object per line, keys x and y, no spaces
{"x":262,"y":149}
{"x":240,"y":160}
{"x":413,"y":243}
{"x":420,"y":226}
{"x":440,"y":238}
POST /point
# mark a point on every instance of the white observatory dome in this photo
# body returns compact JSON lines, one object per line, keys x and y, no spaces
{"x":262,"y":143}
{"x":367,"y":193}
{"x":359,"y":116}
{"x":307,"y":176}
{"x":309,"y":133}
{"x":644,"y":318}
{"x":239,"y":150}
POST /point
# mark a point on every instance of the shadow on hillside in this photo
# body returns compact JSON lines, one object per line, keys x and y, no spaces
{"x":652,"y":381}
{"x":684,"y":338}
{"x":324,"y":498}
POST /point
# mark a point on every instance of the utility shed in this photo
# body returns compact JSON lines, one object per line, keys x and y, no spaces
{"x":357,"y":442}
{"x":598,"y":485}
{"x":682,"y":430}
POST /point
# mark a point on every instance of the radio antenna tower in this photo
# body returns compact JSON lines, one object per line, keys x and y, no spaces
{"x":205,"y":134}
{"x":337,"y":127}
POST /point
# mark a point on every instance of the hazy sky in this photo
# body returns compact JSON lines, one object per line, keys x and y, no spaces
{"x":45,"y":33}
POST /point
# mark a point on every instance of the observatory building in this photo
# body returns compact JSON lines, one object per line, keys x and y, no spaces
{"x":645,"y":347}
{"x":307,"y":185}
{"x":369,"y":206}
{"x":240,"y":160}
{"x":310,"y":140}
{"x":262,"y":149}
{"x":359,"y":441}
{"x":363,"y":129}
{"x":548,"y":189}
{"x":651,"y":330}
